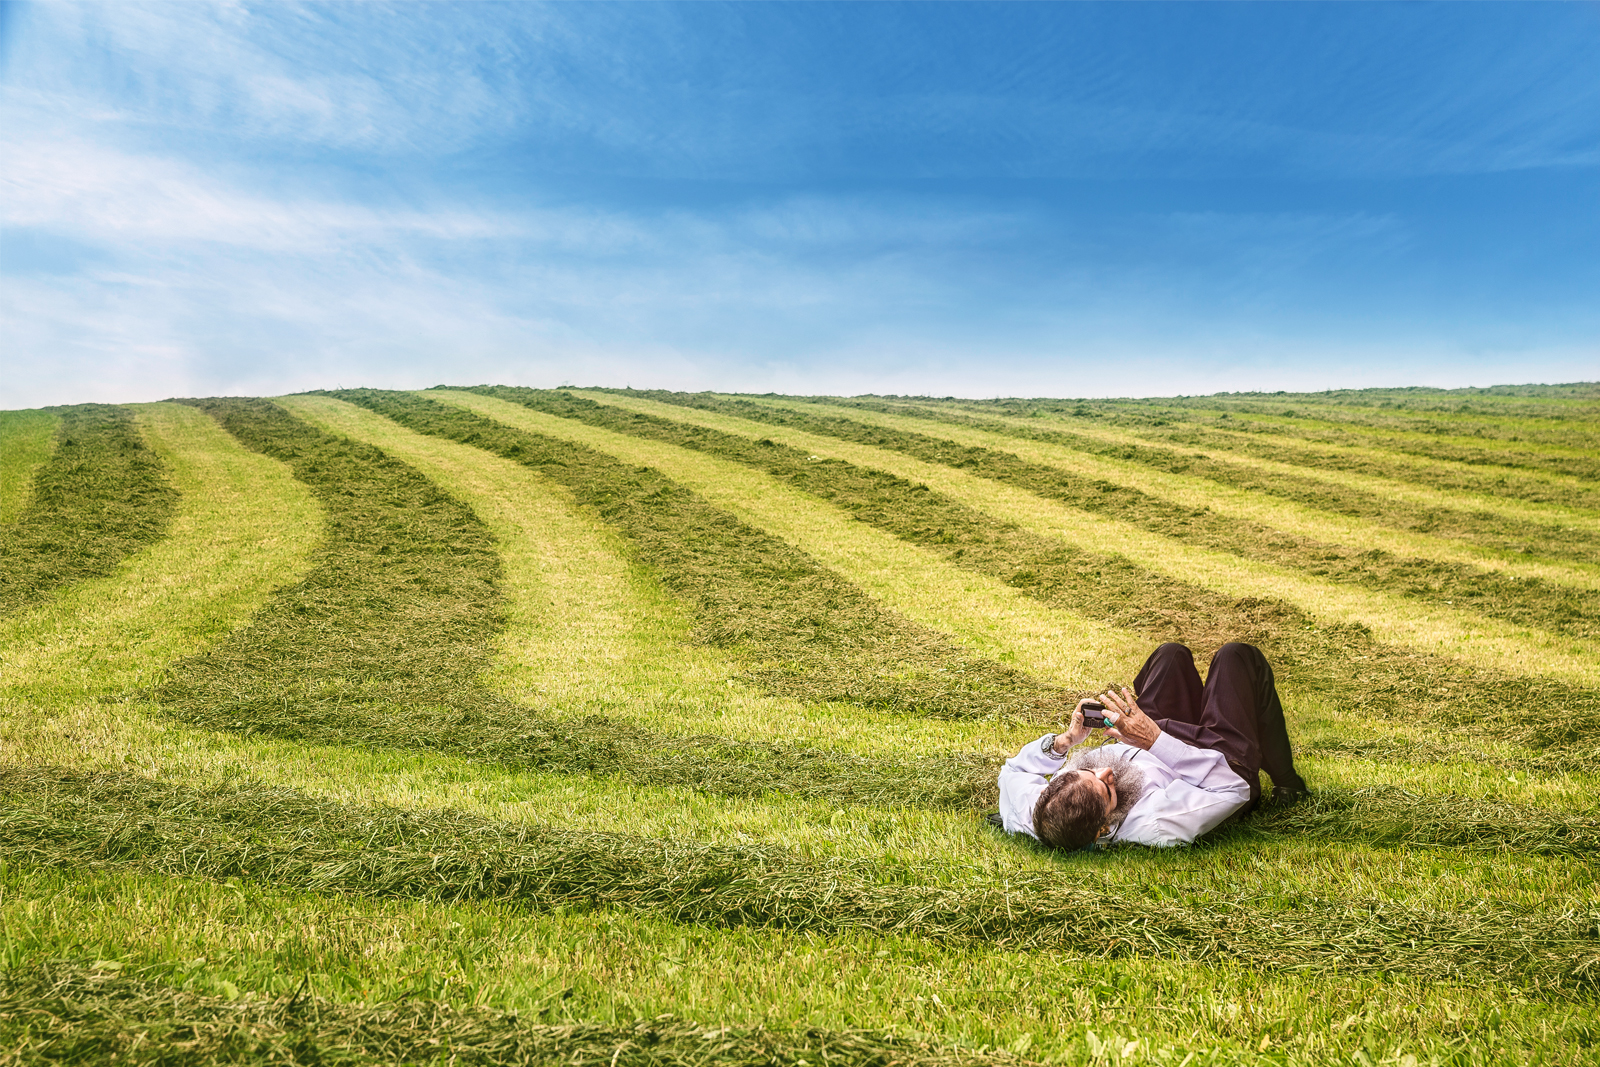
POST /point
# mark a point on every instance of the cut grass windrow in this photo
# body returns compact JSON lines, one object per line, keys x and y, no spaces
{"x":1266,"y":442}
{"x":100,"y":497}
{"x":385,"y":640}
{"x":1197,"y":517}
{"x":1519,"y":496}
{"x":809,"y":633}
{"x":1526,"y":602}
{"x":1344,"y":662}
{"x":1519,"y":531}
{"x":108,"y":822}
{"x":89,"y":1013}
{"x":1555,"y":438}
{"x":1548,"y":438}
{"x":246,"y":524}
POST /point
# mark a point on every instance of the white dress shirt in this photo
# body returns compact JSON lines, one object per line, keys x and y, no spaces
{"x":1187,"y":791}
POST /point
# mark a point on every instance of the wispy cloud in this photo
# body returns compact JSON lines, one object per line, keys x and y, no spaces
{"x":220,"y":198}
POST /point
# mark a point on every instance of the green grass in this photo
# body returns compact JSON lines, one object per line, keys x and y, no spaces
{"x":1430,"y":822}
{"x":402,"y":886}
{"x":84,"y":1013}
{"x":919,"y":582}
{"x":117,"y":822}
{"x":1275,"y":512}
{"x":384,"y":642}
{"x":1543,"y":433}
{"x":807,"y":632}
{"x":1489,"y":503}
{"x":1342,"y":661}
{"x":27,"y":438}
{"x":1521,"y":601}
{"x":255,"y":945}
{"x":100,"y":496}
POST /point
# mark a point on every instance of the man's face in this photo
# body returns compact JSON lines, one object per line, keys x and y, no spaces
{"x":1103,"y":783}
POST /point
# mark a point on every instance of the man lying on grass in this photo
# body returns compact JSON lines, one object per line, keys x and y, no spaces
{"x":1186,"y":757}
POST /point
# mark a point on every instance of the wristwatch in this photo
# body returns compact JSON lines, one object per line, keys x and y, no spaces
{"x":1048,"y":747}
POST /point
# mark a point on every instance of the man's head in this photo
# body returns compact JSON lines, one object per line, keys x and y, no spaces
{"x":1075,"y":807}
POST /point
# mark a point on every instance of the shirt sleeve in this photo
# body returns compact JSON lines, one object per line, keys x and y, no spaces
{"x":1205,"y":793}
{"x":1022,"y":779}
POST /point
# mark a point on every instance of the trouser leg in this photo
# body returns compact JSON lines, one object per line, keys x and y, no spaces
{"x":1243,"y":717}
{"x":1272,"y":732}
{"x":1168,"y":687}
{"x":1169,"y":690}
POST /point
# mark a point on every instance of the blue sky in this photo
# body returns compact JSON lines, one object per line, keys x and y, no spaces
{"x":978,"y":200}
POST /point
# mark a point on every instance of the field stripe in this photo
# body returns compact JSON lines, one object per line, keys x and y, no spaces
{"x":1564,"y":610}
{"x":1534,"y":496}
{"x":125,"y":1019}
{"x":1000,"y":620}
{"x":1339,"y":664}
{"x":273,"y":519}
{"x":806,"y":630}
{"x":27,"y":439}
{"x":1459,"y":635}
{"x":384,"y":641}
{"x":1576,"y":541}
{"x":902,"y":574}
{"x":988,"y":616}
{"x":1197,"y":492}
{"x":1520,"y":495}
{"x":242,"y":526}
{"x":615,"y":968}
{"x":1568,"y":449}
{"x":101,"y":496}
{"x":127,"y":822}
{"x":591,"y":633}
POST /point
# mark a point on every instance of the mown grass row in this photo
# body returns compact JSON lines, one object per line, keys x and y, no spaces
{"x":1539,"y":604}
{"x":1554,"y":436}
{"x":101,"y":495}
{"x":60,"y":817}
{"x":1145,"y":440}
{"x":1234,"y":436}
{"x":1463,"y":635}
{"x":1549,"y":417}
{"x":808,"y":633}
{"x":1344,"y":662}
{"x":89,"y":1013}
{"x":1561,"y":604}
{"x":246,"y":941}
{"x":55,"y":694}
{"x":385,"y":640}
{"x":591,"y":630}
{"x":1458,"y":1027}
{"x":1053,"y":640}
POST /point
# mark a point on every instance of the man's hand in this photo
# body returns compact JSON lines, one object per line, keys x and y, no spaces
{"x":1076,"y":731}
{"x":1133,"y":725}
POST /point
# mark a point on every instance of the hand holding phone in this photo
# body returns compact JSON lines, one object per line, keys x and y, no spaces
{"x":1094,"y":716}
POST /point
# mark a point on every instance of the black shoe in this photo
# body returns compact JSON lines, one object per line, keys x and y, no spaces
{"x":1289,"y":794}
{"x":994,"y":820}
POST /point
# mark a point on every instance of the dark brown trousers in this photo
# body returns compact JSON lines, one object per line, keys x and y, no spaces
{"x":1236,"y":712}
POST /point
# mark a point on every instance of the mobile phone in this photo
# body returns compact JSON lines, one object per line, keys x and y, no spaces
{"x":1094,"y":716}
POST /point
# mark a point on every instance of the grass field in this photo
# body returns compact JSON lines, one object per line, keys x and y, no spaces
{"x":496,"y":725}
